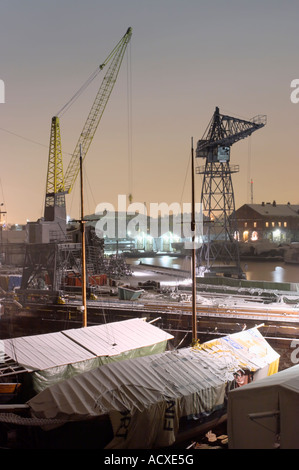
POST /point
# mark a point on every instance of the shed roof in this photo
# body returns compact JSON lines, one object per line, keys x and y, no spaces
{"x":41,"y":352}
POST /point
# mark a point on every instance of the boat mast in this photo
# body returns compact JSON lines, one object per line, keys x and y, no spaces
{"x":83,"y":269}
{"x":193,"y":264}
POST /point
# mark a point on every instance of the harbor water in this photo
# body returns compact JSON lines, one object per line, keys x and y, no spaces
{"x":273,"y":271}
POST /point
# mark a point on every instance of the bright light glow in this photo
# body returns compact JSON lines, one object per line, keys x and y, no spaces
{"x":185,"y":282}
{"x":140,"y":273}
{"x":245,"y":235}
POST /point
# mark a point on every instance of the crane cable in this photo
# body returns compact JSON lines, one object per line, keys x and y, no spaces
{"x":129,"y":117}
{"x":79,"y":92}
{"x":249,"y":177}
{"x":89,"y":80}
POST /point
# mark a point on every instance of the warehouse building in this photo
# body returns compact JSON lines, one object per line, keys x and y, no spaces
{"x":278,"y":223}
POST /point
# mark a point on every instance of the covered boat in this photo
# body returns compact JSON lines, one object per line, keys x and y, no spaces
{"x":150,"y":401}
{"x":50,"y":358}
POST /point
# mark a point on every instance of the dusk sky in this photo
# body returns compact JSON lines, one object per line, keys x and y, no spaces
{"x":185,"y":58}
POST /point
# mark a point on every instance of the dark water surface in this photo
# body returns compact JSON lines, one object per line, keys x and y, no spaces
{"x":275,"y":271}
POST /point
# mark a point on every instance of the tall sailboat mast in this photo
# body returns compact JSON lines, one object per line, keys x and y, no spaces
{"x":193,"y":263}
{"x":83,"y":269}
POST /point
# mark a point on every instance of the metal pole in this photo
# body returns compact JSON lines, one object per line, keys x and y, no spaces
{"x":83,"y":273}
{"x":194,"y":319}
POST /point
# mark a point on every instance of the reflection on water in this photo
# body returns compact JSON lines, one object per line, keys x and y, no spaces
{"x":272,"y":271}
{"x":275,"y":271}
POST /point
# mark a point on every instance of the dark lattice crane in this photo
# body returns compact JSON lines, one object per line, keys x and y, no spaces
{"x":219,"y":253}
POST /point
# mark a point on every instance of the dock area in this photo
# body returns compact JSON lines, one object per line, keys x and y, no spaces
{"x":224,"y":306}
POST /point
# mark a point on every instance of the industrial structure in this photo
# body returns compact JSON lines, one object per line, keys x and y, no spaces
{"x":219,"y":253}
{"x":50,"y":253}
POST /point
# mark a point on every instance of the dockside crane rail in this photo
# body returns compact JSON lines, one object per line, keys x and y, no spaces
{"x":58,"y":183}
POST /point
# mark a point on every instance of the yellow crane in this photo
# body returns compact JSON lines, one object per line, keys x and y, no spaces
{"x":59,"y":184}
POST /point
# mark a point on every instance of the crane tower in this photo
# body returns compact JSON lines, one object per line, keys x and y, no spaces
{"x":49,"y":255}
{"x":58,"y":183}
{"x":219,"y":253}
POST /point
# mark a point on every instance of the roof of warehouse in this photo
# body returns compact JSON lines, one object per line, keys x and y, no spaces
{"x":40,"y":352}
{"x":286,"y":210}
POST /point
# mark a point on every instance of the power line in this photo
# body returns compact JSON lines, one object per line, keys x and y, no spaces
{"x":28,"y":140}
{"x":22,"y":137}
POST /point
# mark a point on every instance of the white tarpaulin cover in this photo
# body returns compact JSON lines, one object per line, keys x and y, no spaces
{"x":265,"y":413}
{"x":146,"y":397}
{"x":53,"y":357}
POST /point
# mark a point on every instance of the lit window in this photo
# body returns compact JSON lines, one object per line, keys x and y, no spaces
{"x":273,"y":224}
{"x":255,"y":224}
{"x":285,"y":224}
{"x":245,"y":224}
{"x":279,"y":224}
{"x":267,"y":224}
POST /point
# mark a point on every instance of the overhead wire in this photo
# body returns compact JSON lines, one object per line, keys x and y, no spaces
{"x":129,"y":118}
{"x":24,"y":138}
{"x":3,"y":198}
{"x":186,"y":175}
{"x":30,"y":140}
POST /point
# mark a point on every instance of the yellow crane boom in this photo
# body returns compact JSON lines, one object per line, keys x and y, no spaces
{"x":59,"y":184}
{"x":96,"y":110}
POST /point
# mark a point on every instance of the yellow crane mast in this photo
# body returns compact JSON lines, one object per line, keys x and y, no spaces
{"x":58,"y":184}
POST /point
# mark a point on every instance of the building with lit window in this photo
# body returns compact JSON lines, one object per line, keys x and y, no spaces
{"x":278,"y":223}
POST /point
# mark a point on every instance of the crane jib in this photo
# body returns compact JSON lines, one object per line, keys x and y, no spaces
{"x":96,"y":111}
{"x":56,"y":181}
